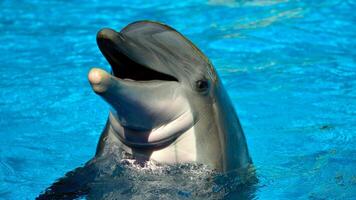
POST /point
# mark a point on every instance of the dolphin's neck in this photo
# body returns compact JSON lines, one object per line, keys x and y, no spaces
{"x":232,"y":138}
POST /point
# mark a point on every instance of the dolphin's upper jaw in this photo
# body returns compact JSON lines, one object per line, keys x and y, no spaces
{"x":112,"y":45}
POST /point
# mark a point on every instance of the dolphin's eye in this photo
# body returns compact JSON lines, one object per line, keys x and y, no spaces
{"x":202,"y":85}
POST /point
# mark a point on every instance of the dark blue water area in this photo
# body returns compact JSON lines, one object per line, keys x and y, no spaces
{"x":288,"y":66}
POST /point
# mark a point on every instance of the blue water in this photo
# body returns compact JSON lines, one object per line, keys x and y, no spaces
{"x":289,"y":67}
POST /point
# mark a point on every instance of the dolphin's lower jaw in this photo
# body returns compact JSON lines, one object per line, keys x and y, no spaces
{"x":154,"y":138}
{"x":144,"y":114}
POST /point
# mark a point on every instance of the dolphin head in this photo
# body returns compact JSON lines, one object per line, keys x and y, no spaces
{"x":156,"y":75}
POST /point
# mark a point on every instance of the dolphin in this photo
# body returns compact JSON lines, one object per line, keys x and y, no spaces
{"x":167,"y":104}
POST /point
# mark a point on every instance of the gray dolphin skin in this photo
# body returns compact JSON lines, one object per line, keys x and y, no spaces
{"x":168,"y":104}
{"x":167,"y":101}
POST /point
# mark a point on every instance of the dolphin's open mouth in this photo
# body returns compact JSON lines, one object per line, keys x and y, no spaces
{"x":148,"y":105}
{"x":125,"y":68}
{"x":119,"y":54}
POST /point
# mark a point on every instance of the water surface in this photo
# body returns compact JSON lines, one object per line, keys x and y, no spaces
{"x":289,"y":67}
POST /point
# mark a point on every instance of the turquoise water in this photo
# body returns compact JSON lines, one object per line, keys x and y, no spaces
{"x":289,"y":67}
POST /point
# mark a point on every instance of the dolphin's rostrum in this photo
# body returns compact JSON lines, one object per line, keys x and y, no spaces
{"x":167,"y":101}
